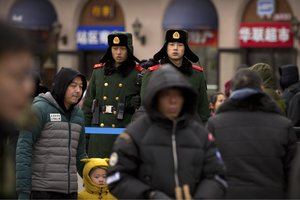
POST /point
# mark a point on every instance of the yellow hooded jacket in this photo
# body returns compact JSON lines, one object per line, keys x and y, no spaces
{"x":92,"y":190}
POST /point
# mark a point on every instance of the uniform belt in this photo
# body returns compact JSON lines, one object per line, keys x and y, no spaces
{"x":108,"y":109}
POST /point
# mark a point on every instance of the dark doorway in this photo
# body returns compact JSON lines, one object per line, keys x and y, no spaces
{"x":273,"y":56}
{"x":89,"y":59}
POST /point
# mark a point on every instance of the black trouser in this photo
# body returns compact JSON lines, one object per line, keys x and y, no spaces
{"x":52,"y":195}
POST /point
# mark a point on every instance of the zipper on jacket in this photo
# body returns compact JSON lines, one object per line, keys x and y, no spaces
{"x":175,"y":156}
{"x":69,"y":160}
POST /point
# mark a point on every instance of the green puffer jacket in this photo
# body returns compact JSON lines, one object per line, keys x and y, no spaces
{"x":48,"y":155}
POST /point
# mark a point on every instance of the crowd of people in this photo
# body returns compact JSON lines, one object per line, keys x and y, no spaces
{"x":177,"y":142}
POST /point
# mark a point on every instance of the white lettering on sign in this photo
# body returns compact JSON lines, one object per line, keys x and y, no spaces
{"x":264,"y":34}
{"x":92,"y":37}
{"x":282,"y":16}
{"x":82,"y":37}
{"x":283,"y":34}
{"x":245,"y":34}
{"x":103,"y":37}
{"x":270,"y":34}
{"x":258,"y":34}
{"x":55,"y":117}
{"x":200,"y":37}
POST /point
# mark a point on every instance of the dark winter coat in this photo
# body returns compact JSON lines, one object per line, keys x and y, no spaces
{"x":293,"y":111}
{"x":195,"y":76}
{"x":143,"y":157}
{"x":49,"y":153}
{"x":257,"y":145}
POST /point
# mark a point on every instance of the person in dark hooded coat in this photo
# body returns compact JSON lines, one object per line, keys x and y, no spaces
{"x":176,"y":52}
{"x":256,"y":141}
{"x":166,"y":148}
{"x":289,"y":82}
{"x":49,"y":153}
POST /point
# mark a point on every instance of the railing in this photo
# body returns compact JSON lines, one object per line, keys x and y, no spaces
{"x":105,"y":131}
{"x":117,"y":131}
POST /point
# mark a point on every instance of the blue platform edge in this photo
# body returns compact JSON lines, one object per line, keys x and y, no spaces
{"x":109,"y":131}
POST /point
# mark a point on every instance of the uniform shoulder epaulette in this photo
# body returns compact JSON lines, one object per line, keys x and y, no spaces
{"x":99,"y":65}
{"x":139,"y":68}
{"x":154,"y":67}
{"x":198,"y":68}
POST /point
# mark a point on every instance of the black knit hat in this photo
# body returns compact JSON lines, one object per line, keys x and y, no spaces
{"x":119,"y":39}
{"x":176,"y":35}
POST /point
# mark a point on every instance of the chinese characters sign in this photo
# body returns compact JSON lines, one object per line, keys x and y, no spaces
{"x":266,"y":35}
{"x":94,"y":37}
{"x":103,"y":11}
{"x":203,"y":38}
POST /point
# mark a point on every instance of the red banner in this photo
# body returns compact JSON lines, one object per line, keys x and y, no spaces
{"x":203,"y":38}
{"x":277,"y":34}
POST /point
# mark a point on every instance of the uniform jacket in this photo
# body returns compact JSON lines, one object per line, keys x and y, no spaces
{"x":92,"y":190}
{"x":195,"y":76}
{"x":112,"y":88}
{"x":143,"y":157}
{"x":257,"y":145}
{"x":49,"y":153}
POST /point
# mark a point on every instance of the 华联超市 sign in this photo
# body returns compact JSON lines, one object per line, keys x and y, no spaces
{"x":95,"y":37}
{"x":277,"y":34}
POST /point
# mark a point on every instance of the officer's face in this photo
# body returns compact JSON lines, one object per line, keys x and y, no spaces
{"x":170,"y":102}
{"x":175,"y":50}
{"x":74,"y":92}
{"x":119,"y":53}
{"x":16,"y":84}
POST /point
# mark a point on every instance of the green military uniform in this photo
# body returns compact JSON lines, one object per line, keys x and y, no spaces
{"x":108,"y":98}
{"x":194,"y":74}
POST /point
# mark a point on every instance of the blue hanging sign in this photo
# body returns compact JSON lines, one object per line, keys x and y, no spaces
{"x":95,"y":37}
{"x":265,"y":8}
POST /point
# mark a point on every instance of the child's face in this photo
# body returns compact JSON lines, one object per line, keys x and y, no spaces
{"x":98,"y":176}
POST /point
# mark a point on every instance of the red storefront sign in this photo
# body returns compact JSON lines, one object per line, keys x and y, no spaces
{"x":203,"y":38}
{"x":277,"y":34}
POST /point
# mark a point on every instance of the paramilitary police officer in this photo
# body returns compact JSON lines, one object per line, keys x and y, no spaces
{"x":177,"y":52}
{"x":113,"y":92}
